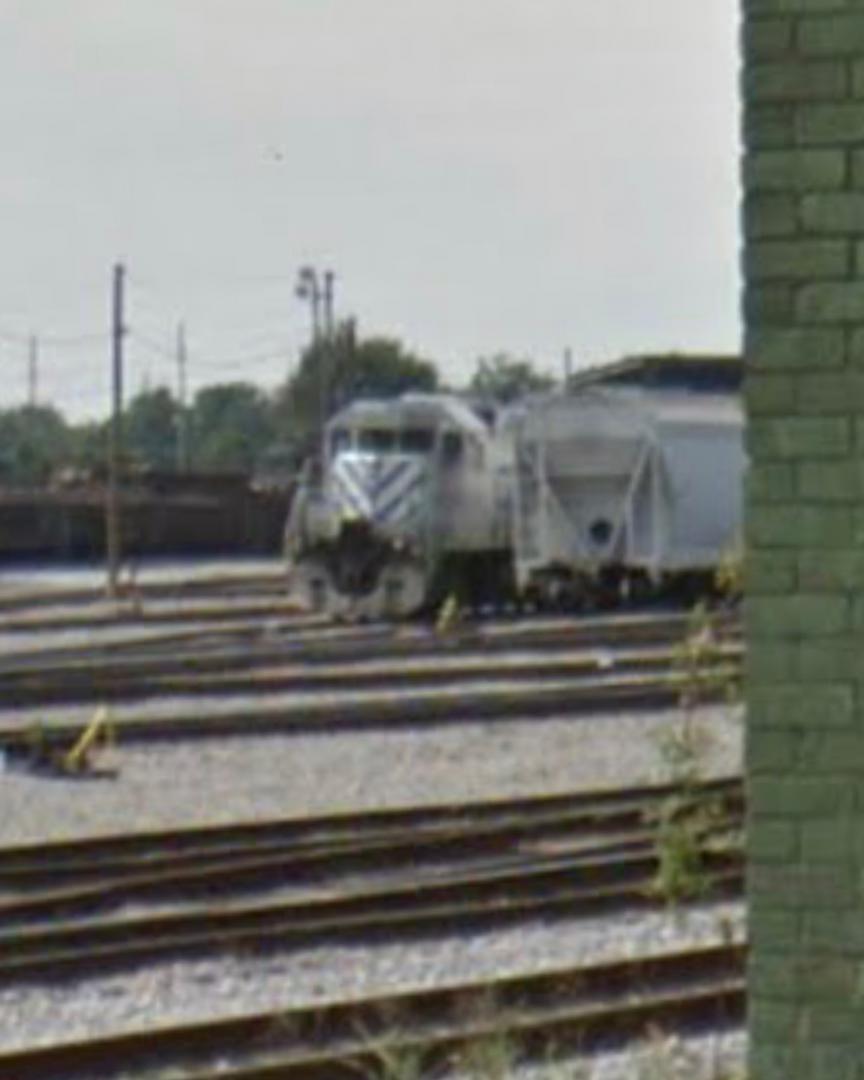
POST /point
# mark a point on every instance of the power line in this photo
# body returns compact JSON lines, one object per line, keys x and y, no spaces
{"x":242,"y":361}
{"x":227,"y":280}
{"x":150,"y":343}
{"x":278,"y":352}
{"x":55,"y":340}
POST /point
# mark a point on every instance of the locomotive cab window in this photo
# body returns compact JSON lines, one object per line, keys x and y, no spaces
{"x":340,"y":440}
{"x":377,"y":440}
{"x":451,"y":446}
{"x":417,"y":440}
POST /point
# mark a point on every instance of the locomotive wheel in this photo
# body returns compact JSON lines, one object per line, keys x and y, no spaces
{"x":399,"y":591}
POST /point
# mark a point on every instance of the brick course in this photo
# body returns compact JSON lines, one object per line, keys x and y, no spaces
{"x":803,"y":226}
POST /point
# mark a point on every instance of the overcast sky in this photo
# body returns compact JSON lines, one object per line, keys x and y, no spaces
{"x":482,"y":175}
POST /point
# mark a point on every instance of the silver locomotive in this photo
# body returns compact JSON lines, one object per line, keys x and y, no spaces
{"x":409,"y":501}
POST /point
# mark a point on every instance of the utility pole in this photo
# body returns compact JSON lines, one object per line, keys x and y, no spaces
{"x":320,"y":298}
{"x":328,"y":304}
{"x":307,"y":288}
{"x":568,"y":367}
{"x":32,"y":370}
{"x":115,"y":435}
{"x":327,"y":357}
{"x":182,"y":414}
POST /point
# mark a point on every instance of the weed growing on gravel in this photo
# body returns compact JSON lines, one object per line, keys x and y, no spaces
{"x":687,"y":817}
{"x":398,"y":1062}
{"x":666,"y":1057}
{"x":729,"y":578}
{"x":489,"y":1058}
{"x":702,"y":670}
{"x":494,"y":1057}
{"x":680,"y":874}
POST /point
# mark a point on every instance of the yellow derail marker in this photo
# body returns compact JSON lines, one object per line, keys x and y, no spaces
{"x":77,"y":759}
{"x":448,"y":614}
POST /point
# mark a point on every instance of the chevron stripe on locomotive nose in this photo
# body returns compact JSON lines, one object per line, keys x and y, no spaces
{"x":395,"y":493}
{"x":386,"y":474}
{"x":349,"y":499}
{"x":383,"y":489}
{"x":404,"y":505}
{"x":351,"y":488}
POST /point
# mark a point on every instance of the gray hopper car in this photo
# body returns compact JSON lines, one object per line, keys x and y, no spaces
{"x":624,"y":490}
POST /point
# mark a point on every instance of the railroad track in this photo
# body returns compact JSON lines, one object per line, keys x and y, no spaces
{"x":570,"y":1010}
{"x":313,"y":639}
{"x":263,"y":670}
{"x":26,"y":597}
{"x":73,"y":910}
{"x":309,"y":678}
{"x":586,"y":813}
{"x":409,"y":873}
{"x":135,"y":612}
{"x":498,"y":699}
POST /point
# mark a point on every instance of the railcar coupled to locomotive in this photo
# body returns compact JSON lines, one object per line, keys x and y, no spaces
{"x":624,"y":491}
{"x":560,"y":500}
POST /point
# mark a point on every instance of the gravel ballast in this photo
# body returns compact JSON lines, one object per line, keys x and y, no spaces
{"x":212,"y":781}
{"x":657,"y":1057}
{"x":187,"y":991}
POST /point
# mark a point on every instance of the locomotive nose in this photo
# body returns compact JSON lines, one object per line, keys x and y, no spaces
{"x":385,"y":490}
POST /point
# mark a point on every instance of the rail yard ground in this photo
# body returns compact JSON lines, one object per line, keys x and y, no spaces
{"x":299,"y":720}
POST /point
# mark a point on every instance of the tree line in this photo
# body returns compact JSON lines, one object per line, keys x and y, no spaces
{"x":236,"y":426}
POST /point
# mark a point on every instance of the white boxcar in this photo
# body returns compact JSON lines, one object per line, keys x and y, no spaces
{"x":630,"y":485}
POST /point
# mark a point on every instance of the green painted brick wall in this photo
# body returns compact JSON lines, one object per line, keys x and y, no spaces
{"x":803,"y":257}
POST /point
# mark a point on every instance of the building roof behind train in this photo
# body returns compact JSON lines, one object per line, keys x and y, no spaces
{"x":412,"y":407}
{"x":625,"y":408}
{"x":700,"y":373}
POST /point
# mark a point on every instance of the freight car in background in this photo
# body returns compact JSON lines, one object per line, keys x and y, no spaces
{"x":627,"y":482}
{"x":162,"y":513}
{"x":624,"y":492}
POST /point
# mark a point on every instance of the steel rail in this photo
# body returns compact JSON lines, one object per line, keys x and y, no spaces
{"x":251,"y":672}
{"x":291,"y":633}
{"x":552,"y":886}
{"x":20,"y":596}
{"x":259,"y":647}
{"x":434,"y":706}
{"x":141,"y":615}
{"x":48,"y":890}
{"x":242,"y":873}
{"x":573,"y":1009}
{"x":312,"y":639}
{"x":93,"y":874}
{"x":594,"y":810}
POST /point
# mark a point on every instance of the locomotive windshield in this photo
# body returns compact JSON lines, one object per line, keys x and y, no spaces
{"x":451,"y":446}
{"x":391,"y":441}
{"x":340,"y":440}
{"x":376,"y":440}
{"x":417,"y":440}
